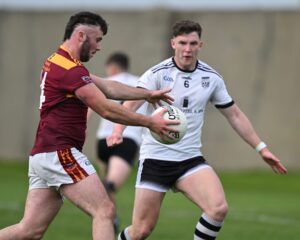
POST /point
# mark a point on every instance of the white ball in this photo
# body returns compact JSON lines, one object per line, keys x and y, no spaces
{"x":175,"y":114}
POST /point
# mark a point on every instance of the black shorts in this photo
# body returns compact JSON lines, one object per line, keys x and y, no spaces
{"x":126,"y":150}
{"x":166,"y":173}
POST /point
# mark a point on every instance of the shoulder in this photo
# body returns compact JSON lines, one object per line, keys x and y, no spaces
{"x":62,"y":64}
{"x":164,"y":65}
{"x":202,"y":66}
{"x":62,"y":59}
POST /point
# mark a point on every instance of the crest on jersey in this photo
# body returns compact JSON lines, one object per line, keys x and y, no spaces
{"x":86,"y":78}
{"x":205,"y":82}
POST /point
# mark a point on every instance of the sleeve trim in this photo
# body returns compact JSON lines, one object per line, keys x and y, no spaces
{"x":224,"y":105}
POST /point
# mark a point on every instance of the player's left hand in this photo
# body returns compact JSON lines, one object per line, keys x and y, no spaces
{"x":160,"y":95}
{"x":273,"y":161}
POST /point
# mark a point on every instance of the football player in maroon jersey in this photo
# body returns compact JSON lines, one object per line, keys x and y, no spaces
{"x":57,"y":167}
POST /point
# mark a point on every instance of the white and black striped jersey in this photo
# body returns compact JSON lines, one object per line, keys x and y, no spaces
{"x":192,"y":90}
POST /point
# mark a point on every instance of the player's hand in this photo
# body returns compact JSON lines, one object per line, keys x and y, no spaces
{"x":161,"y":126}
{"x":273,"y":161}
{"x":156,"y":96}
{"x":114,"y":139}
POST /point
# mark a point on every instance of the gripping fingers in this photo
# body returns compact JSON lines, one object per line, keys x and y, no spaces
{"x":113,"y":141}
{"x":165,"y":136}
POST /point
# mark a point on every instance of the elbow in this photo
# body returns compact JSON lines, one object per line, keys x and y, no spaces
{"x":106,"y":114}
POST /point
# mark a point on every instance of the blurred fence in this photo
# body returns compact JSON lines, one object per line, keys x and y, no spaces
{"x":258,"y":54}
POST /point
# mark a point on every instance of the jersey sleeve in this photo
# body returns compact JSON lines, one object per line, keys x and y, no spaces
{"x":147,"y":81}
{"x":76,"y":78}
{"x":220,"y":97}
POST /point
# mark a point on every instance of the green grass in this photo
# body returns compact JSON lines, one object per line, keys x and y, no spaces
{"x":262,"y":205}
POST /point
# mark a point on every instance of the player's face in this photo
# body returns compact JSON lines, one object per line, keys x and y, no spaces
{"x":91,"y":43}
{"x":186,"y":49}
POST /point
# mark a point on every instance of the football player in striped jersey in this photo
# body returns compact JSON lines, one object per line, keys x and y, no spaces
{"x":181,"y":166}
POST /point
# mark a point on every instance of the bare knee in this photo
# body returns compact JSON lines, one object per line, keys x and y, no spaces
{"x":142,"y":232}
{"x":105,"y":211}
{"x":27,"y":232}
{"x":218,"y":212}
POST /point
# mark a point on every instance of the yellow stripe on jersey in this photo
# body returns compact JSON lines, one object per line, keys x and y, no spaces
{"x":61,"y":61}
{"x":70,"y":95}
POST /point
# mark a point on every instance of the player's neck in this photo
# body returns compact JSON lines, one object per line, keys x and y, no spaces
{"x":69,"y":47}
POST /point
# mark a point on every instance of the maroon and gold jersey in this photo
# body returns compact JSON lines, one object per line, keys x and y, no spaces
{"x":62,"y":115}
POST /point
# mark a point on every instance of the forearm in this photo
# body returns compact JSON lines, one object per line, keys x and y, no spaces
{"x":109,"y":109}
{"x":132,"y":106}
{"x":245,"y":129}
{"x":118,"y":114}
{"x":241,"y":124}
{"x":118,"y":91}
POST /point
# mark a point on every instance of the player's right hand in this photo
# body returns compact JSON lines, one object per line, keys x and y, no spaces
{"x":162,"y":126}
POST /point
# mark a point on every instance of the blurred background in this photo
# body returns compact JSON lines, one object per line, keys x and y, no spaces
{"x":253,"y":44}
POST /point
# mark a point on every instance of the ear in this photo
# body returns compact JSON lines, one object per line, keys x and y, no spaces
{"x":201,"y":44}
{"x":81,"y":36}
{"x":172,"y":43}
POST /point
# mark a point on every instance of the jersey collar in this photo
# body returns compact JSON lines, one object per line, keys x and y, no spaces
{"x":183,"y":70}
{"x":67,"y":51}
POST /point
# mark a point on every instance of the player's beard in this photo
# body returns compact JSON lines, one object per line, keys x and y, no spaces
{"x":85,"y":51}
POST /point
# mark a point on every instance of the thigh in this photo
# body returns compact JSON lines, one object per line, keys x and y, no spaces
{"x":88,"y":194}
{"x":147,"y":205}
{"x":204,"y":188}
{"x":41,"y":207}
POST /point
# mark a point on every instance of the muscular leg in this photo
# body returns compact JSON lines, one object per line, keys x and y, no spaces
{"x":90,"y":196}
{"x":205,"y":190}
{"x":145,"y":213}
{"x":41,"y":207}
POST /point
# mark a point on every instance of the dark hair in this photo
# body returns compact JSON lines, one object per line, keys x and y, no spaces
{"x":186,"y":27}
{"x":85,"y":18}
{"x":120,"y":59}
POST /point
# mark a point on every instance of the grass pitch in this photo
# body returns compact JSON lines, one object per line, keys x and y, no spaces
{"x":263,"y":206}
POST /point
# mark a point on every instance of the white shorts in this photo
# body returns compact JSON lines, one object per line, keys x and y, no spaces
{"x":54,"y":169}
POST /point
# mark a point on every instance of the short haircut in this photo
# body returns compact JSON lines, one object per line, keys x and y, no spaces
{"x":186,"y":27}
{"x":120,"y":59}
{"x":85,"y":18}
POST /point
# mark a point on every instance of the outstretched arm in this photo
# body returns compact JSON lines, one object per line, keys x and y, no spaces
{"x":241,"y":124}
{"x":96,"y":100}
{"x":119,"y":91}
